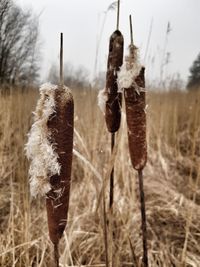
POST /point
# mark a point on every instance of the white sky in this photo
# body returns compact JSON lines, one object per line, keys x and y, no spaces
{"x":81,"y":20}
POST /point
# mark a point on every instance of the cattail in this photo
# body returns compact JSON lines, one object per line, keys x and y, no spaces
{"x":110,"y":98}
{"x":136,"y":121}
{"x":110,"y":101}
{"x":50,"y":148}
{"x":114,"y":97}
{"x":60,"y":125}
{"x":132,"y":82}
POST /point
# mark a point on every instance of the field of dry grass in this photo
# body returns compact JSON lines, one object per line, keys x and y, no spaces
{"x":171,"y":184}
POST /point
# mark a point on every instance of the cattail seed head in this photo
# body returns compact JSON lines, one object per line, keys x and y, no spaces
{"x":132,"y":81}
{"x":49,"y":149}
{"x":61,"y":126}
{"x":114,"y":98}
{"x":136,"y":122}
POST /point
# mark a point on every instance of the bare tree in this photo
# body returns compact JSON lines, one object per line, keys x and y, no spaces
{"x":18,"y":44}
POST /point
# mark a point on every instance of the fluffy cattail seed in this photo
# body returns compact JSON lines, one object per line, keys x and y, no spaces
{"x":114,"y":97}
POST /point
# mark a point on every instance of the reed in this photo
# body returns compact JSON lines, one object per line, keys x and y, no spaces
{"x":132,"y":82}
{"x":53,"y":140}
{"x":110,"y":101}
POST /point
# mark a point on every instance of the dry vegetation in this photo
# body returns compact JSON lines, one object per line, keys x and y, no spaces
{"x":171,"y":186}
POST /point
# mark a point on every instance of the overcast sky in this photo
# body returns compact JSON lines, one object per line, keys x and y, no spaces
{"x":81,"y":22}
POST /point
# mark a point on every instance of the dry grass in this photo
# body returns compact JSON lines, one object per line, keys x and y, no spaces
{"x":171,"y":185}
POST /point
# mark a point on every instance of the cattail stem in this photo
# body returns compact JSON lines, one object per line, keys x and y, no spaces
{"x":118,"y":13}
{"x":111,"y":202}
{"x":134,"y":258}
{"x":143,"y":217}
{"x":56,"y":255}
{"x":131,"y":29}
{"x":105,"y":229}
{"x":61,"y":59}
{"x":112,"y":174}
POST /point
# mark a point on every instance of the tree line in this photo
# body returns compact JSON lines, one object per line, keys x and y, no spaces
{"x":19,"y":51}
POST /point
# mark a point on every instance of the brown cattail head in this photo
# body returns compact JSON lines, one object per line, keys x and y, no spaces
{"x":114,"y":97}
{"x":136,"y":121}
{"x":60,"y":126}
{"x":132,"y":81}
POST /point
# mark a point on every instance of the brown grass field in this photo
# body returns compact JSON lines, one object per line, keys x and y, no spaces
{"x":171,"y":180}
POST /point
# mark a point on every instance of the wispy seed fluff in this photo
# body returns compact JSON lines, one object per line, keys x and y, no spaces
{"x":129,"y":70}
{"x":102,"y":98}
{"x":40,"y":149}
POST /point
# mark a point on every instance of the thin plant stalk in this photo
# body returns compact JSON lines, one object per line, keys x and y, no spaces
{"x":56,"y":255}
{"x":61,"y":60}
{"x":105,"y":230}
{"x":131,"y":29}
{"x":110,"y":8}
{"x":143,"y":216}
{"x":118,"y":14}
{"x":112,"y":174}
{"x":148,"y":40}
{"x":111,"y":204}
